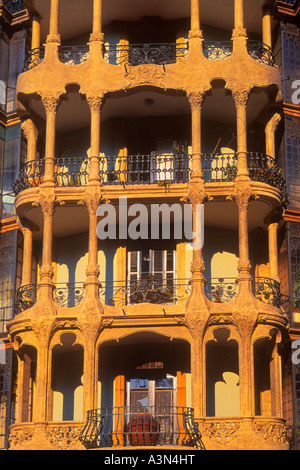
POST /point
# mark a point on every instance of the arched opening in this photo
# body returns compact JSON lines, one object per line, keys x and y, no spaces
{"x":144,"y":369}
{"x":222,"y":375}
{"x":144,"y":390}
{"x":66,"y":380}
{"x":265,"y":363}
{"x":27,"y":375}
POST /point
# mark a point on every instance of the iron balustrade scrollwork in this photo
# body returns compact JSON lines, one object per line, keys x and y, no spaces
{"x":68,"y":295}
{"x":217,"y":50}
{"x":137,"y":426}
{"x":147,"y":290}
{"x":268,"y":291}
{"x":69,"y":171}
{"x":140,"y":54}
{"x":265,"y":289}
{"x":72,"y":171}
{"x":25,"y":297}
{"x":33,"y":58}
{"x":219,"y":167}
{"x":74,"y":55}
{"x":265,"y":169}
{"x":64,"y":294}
{"x":30,"y":176}
{"x":145,"y":169}
{"x":261,"y":52}
{"x":221,"y":290}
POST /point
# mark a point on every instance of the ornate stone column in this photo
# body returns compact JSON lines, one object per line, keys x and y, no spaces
{"x":47,"y":203}
{"x":36,"y":32}
{"x":97,"y":34}
{"x":195,"y":34}
{"x":197,"y":309}
{"x":27,"y":251}
{"x":273,"y":223}
{"x":53,"y":28}
{"x":195,"y":15}
{"x":239,"y":16}
{"x":95,"y":104}
{"x":267,"y":26}
{"x":241,"y":100}
{"x":51,"y":104}
{"x":31,"y":134}
{"x":270,"y":130}
{"x":92,"y":201}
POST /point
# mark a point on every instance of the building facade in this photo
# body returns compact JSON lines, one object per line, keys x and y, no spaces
{"x":124,"y":107}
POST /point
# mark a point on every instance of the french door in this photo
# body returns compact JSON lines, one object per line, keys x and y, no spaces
{"x":151,"y":276}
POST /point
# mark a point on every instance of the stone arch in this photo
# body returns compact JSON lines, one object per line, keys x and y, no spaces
{"x":222,"y":373}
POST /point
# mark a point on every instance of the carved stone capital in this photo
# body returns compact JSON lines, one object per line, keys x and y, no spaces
{"x":51,"y":102}
{"x":195,"y":34}
{"x":197,"y":267}
{"x":239,"y":33}
{"x":92,"y":270}
{"x":242,"y":194}
{"x":241,"y":97}
{"x":92,"y":199}
{"x":196,"y":192}
{"x":52,"y":38}
{"x":46,"y":271}
{"x":47,"y":201}
{"x":196,"y":98}
{"x":95,"y":102}
{"x":244,"y":266}
{"x":97,"y":37}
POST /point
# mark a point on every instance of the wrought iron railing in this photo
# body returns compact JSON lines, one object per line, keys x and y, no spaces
{"x":147,"y":290}
{"x":126,"y":426}
{"x":152,"y":290}
{"x":64,"y":294}
{"x":145,"y":169}
{"x":219,"y":167}
{"x":69,"y":171}
{"x":226,"y":289}
{"x":268,"y":291}
{"x":217,"y":50}
{"x":72,"y":171}
{"x":265,"y":169}
{"x":261,"y":52}
{"x":33,"y":58}
{"x":138,"y":54}
{"x":30,"y":176}
{"x":74,"y":55}
{"x":221,"y":290}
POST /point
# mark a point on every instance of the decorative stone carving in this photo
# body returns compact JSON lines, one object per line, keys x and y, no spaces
{"x":145,"y":75}
{"x":241,"y":97}
{"x":95,"y":102}
{"x":196,"y":98}
{"x":222,"y":432}
{"x":97,"y":37}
